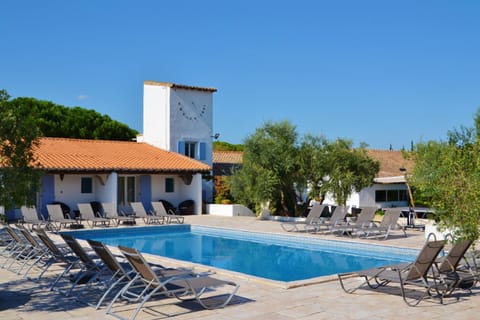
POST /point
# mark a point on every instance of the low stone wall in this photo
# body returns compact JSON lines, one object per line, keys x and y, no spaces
{"x":229,"y":210}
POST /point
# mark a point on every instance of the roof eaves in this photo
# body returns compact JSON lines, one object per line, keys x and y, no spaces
{"x":180,"y":86}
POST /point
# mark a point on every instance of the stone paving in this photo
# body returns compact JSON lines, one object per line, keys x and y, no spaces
{"x":22,"y":299}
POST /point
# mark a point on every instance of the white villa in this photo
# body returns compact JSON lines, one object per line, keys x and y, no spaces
{"x":167,"y":162}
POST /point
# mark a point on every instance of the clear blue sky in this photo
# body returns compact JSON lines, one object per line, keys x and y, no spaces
{"x":381,"y":72}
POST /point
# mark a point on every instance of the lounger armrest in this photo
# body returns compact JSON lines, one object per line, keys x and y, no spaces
{"x":125,"y":214}
{"x":337,"y":222}
{"x":370,"y":224}
{"x":374,"y":224}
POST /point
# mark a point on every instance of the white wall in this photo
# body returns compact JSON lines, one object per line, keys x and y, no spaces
{"x":68,"y":190}
{"x":193,"y":191}
{"x":156,"y":115}
{"x":158,"y":189}
{"x":181,"y":192}
{"x":108,"y":192}
{"x":366,"y":197}
{"x":185,"y":127}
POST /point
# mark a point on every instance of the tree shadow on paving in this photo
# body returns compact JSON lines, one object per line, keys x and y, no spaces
{"x":165,"y":307}
{"x":12,"y":299}
{"x":26,"y":295}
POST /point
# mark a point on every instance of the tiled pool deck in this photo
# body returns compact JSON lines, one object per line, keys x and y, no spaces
{"x":23,"y":299}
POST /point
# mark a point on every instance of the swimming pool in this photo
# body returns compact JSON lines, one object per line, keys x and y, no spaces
{"x":271,"y":256}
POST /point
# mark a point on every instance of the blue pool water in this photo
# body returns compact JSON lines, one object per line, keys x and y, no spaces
{"x":271,"y":256}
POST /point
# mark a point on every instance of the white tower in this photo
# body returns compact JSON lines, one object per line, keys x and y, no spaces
{"x":179,"y":118}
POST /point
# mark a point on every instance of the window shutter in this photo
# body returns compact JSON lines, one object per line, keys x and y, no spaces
{"x":146,"y":190}
{"x":181,"y":147}
{"x":203,"y":151}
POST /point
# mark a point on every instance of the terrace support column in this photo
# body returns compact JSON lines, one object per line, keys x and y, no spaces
{"x":197,"y":192}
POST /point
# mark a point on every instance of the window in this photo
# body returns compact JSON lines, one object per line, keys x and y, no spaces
{"x":126,"y":190}
{"x":190,"y":149}
{"x":86,"y":185}
{"x":380,"y":196}
{"x":390,"y":195}
{"x":169,"y":185}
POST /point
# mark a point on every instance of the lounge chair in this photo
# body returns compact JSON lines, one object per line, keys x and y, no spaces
{"x":364,"y":220}
{"x":32,"y":218}
{"x":7,"y":243}
{"x":19,"y":254}
{"x":167,"y":282}
{"x":406,"y":275}
{"x":90,"y":268}
{"x":312,"y":218}
{"x":56,"y":217}
{"x":325,"y":225}
{"x":169,"y":216}
{"x":121,"y":273}
{"x":111,"y":213}
{"x":39,"y":257}
{"x":60,"y":254}
{"x":388,"y":223}
{"x":87,"y":214}
{"x":452,"y":273}
{"x":140,"y":211}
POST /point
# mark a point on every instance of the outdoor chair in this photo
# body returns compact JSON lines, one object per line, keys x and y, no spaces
{"x":91,"y":266}
{"x":415,"y":275}
{"x":325,"y":225}
{"x":389,"y":222}
{"x":121,"y":272}
{"x":312,"y":218}
{"x":7,"y":243}
{"x":57,"y":217}
{"x":169,"y":216}
{"x":32,"y":218}
{"x":20,"y":252}
{"x":40,"y":256}
{"x":454,"y":275}
{"x":364,"y":220}
{"x":61,"y":254}
{"x":87,"y":214}
{"x":112,"y":213}
{"x":167,"y":282}
{"x":140,"y":211}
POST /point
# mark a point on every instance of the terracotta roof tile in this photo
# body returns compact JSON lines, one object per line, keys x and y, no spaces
{"x":106,"y":155}
{"x":390,"y":161}
{"x":233,"y":157}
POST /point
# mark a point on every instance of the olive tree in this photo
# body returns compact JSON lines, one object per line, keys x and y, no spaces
{"x":348,"y":170}
{"x":278,"y":169}
{"x":447,"y":173}
{"x":313,"y":166}
{"x":269,"y":168}
{"x":19,"y":179}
